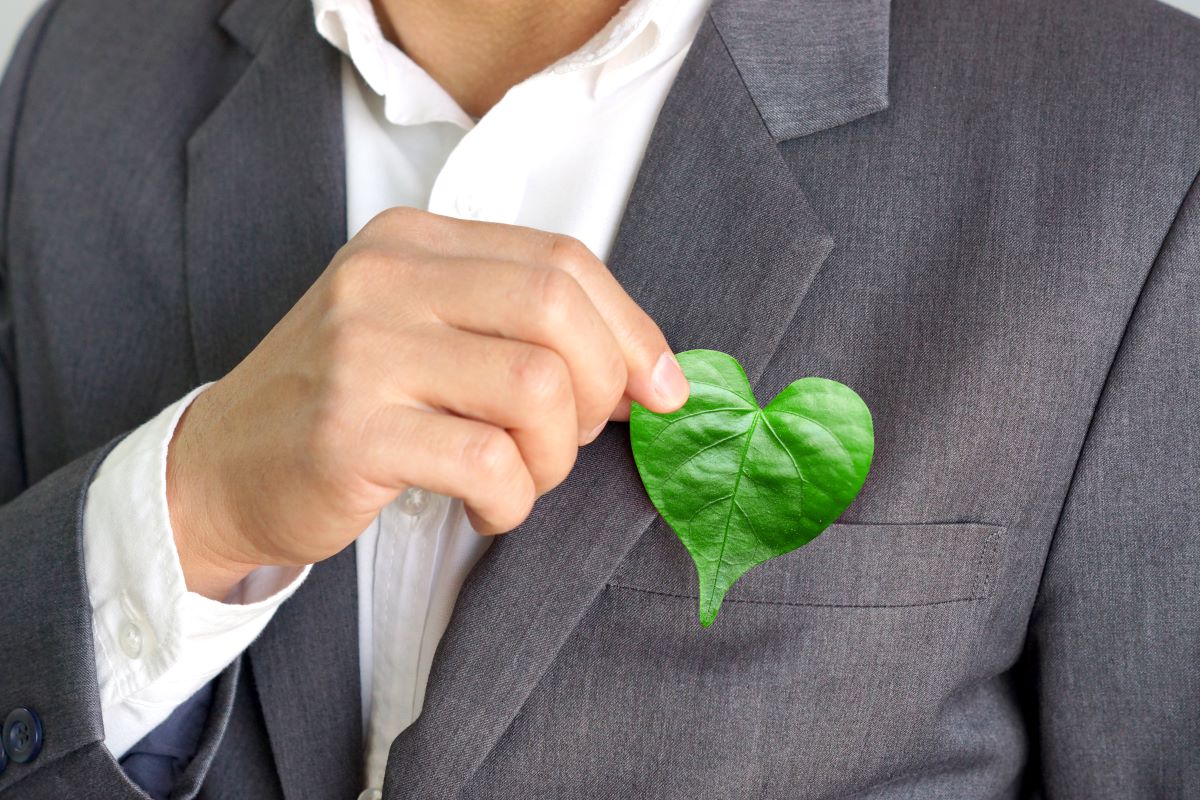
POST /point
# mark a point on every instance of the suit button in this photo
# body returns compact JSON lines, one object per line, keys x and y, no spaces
{"x":22,"y":735}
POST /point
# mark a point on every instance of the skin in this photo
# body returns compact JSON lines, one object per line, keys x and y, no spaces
{"x":469,"y":358}
{"x":478,"y":49}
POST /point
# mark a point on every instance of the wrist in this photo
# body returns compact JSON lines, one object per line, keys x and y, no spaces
{"x":205,"y":572}
{"x":209,"y":567}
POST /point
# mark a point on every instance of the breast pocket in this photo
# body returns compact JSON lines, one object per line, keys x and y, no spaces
{"x":850,"y":564}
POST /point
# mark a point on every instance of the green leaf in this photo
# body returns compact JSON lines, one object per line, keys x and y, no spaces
{"x":740,"y":485}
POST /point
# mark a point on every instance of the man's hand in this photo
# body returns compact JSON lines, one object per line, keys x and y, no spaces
{"x":470,"y":359}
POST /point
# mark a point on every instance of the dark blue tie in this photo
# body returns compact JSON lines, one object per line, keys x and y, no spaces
{"x":157,"y":762}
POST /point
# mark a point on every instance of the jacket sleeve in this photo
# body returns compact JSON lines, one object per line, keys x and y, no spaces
{"x":1114,"y":645}
{"x":48,"y":684}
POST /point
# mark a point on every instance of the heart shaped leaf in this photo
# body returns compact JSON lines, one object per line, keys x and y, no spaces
{"x":741,"y":484}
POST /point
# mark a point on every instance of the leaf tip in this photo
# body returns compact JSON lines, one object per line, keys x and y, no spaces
{"x":708,"y":613}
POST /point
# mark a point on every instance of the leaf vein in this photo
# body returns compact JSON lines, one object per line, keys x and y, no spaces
{"x":689,"y":416}
{"x":785,"y":450}
{"x":699,"y":510}
{"x":749,"y":522}
{"x":725,"y":531}
{"x":820,"y":425}
{"x":725,"y":389}
{"x":682,"y":464}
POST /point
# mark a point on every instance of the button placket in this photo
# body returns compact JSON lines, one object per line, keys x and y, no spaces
{"x":484,"y":176}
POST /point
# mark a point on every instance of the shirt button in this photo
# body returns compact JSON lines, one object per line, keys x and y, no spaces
{"x":414,"y":500}
{"x":467,"y":205}
{"x":371,"y":794}
{"x":131,"y":640}
{"x":22,"y":735}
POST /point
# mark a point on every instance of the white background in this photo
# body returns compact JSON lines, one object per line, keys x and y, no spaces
{"x":13,"y":14}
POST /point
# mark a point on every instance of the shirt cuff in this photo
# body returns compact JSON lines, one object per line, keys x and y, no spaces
{"x":157,"y":643}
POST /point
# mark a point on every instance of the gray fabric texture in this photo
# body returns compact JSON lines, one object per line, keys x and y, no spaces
{"x":982,"y":216}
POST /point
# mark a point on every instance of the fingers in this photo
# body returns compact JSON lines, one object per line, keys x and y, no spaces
{"x":653,"y":376}
{"x":522,"y":388}
{"x":541,"y":306}
{"x":464,"y":458}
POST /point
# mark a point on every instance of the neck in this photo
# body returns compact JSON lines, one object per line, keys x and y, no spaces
{"x":478,"y":49}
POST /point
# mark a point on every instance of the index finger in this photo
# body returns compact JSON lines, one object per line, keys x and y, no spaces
{"x":654,"y":377}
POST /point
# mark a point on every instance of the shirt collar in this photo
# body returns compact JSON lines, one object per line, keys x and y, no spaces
{"x":641,"y":35}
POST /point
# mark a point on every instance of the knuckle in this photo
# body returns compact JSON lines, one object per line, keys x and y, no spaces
{"x":554,"y":295}
{"x":394,"y":219}
{"x":358,"y":277}
{"x":407,"y":229}
{"x":569,"y":254}
{"x":539,"y":377}
{"x":491,"y":455}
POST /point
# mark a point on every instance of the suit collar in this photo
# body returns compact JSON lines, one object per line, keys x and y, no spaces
{"x":251,"y":22}
{"x":808,"y":64}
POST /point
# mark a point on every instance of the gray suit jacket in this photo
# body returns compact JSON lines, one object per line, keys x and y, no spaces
{"x":983,"y":216}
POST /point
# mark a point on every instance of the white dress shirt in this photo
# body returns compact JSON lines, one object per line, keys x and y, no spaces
{"x":559,"y":152}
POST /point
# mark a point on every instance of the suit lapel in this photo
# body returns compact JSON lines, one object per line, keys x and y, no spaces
{"x":719,"y":245}
{"x":265,"y":213}
{"x":266,"y":196}
{"x":305,"y":668}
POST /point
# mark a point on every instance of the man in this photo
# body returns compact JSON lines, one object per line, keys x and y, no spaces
{"x":355,"y":294}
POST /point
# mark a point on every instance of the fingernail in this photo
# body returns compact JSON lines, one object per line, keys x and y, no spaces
{"x":669,"y":382}
{"x":591,"y":437}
